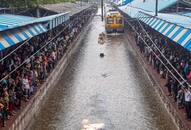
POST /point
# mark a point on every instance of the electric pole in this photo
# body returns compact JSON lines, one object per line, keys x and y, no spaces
{"x":156,"y":11}
{"x":102,"y":10}
{"x":26,"y":3}
{"x":177,"y":6}
{"x":38,"y":10}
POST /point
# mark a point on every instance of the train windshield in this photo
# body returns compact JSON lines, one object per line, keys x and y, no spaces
{"x":110,"y":21}
{"x":119,"y":20}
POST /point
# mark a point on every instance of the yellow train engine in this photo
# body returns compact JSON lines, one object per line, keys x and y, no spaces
{"x":114,"y":22}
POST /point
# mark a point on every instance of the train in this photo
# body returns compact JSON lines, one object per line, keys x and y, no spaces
{"x":114,"y":21}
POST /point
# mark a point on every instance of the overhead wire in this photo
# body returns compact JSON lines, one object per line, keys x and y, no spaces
{"x":10,"y":53}
{"x":5,"y":57}
{"x":31,"y":56}
{"x":180,"y":82}
{"x":25,"y":61}
{"x":184,"y":80}
{"x":160,"y":51}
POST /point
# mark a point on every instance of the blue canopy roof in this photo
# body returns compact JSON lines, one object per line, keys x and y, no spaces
{"x":188,"y":14}
{"x":121,"y":2}
{"x":175,"y":27}
{"x":10,"y":38}
{"x":180,"y":20}
{"x":8,"y":21}
{"x":54,"y":20}
{"x":135,"y":6}
{"x":15,"y":29}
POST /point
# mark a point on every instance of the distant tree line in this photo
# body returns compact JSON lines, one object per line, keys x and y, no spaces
{"x":28,"y":3}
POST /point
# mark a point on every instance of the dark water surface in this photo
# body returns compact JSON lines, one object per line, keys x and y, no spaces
{"x":112,"y":91}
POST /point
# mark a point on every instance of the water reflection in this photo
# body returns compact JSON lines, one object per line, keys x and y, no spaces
{"x":86,"y":125}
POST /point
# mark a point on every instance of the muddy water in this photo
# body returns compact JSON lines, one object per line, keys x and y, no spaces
{"x":112,"y":93}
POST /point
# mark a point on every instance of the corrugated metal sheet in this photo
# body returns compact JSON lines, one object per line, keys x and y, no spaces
{"x":177,"y":27}
{"x":180,"y":20}
{"x":135,"y":6}
{"x":54,"y":20}
{"x":8,"y":21}
{"x":10,"y":38}
{"x":176,"y":32}
{"x":73,"y":8}
{"x":15,"y":29}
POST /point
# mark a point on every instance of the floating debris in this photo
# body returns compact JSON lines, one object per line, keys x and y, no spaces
{"x":102,"y":54}
{"x":102,"y":38}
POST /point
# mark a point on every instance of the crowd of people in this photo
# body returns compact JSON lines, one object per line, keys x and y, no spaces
{"x":40,"y":55}
{"x":171,"y":61}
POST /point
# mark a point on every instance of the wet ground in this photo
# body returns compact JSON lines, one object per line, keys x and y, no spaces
{"x":112,"y":92}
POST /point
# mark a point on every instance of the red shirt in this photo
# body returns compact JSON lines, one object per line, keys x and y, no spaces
{"x":189,"y":76}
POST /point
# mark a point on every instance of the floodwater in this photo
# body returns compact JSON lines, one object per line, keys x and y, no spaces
{"x":109,"y":93}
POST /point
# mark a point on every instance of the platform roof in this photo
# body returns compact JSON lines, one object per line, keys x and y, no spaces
{"x":54,"y":20}
{"x":178,"y":19}
{"x":176,"y":27}
{"x":73,"y":8}
{"x":135,"y":6}
{"x":8,"y":21}
{"x":12,"y":37}
{"x":15,"y":29}
{"x":188,"y":14}
{"x":148,"y":7}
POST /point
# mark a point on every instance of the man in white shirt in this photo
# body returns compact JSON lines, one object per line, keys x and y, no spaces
{"x":26,"y":86}
{"x":187,"y":96}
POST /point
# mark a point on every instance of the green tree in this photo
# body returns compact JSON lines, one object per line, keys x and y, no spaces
{"x":28,"y":3}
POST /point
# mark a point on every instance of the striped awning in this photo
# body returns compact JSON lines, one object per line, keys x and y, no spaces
{"x":54,"y":20}
{"x":12,"y":37}
{"x":58,"y":20}
{"x":176,"y":33}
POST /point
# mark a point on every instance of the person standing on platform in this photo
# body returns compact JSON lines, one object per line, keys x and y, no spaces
{"x":188,"y":102}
